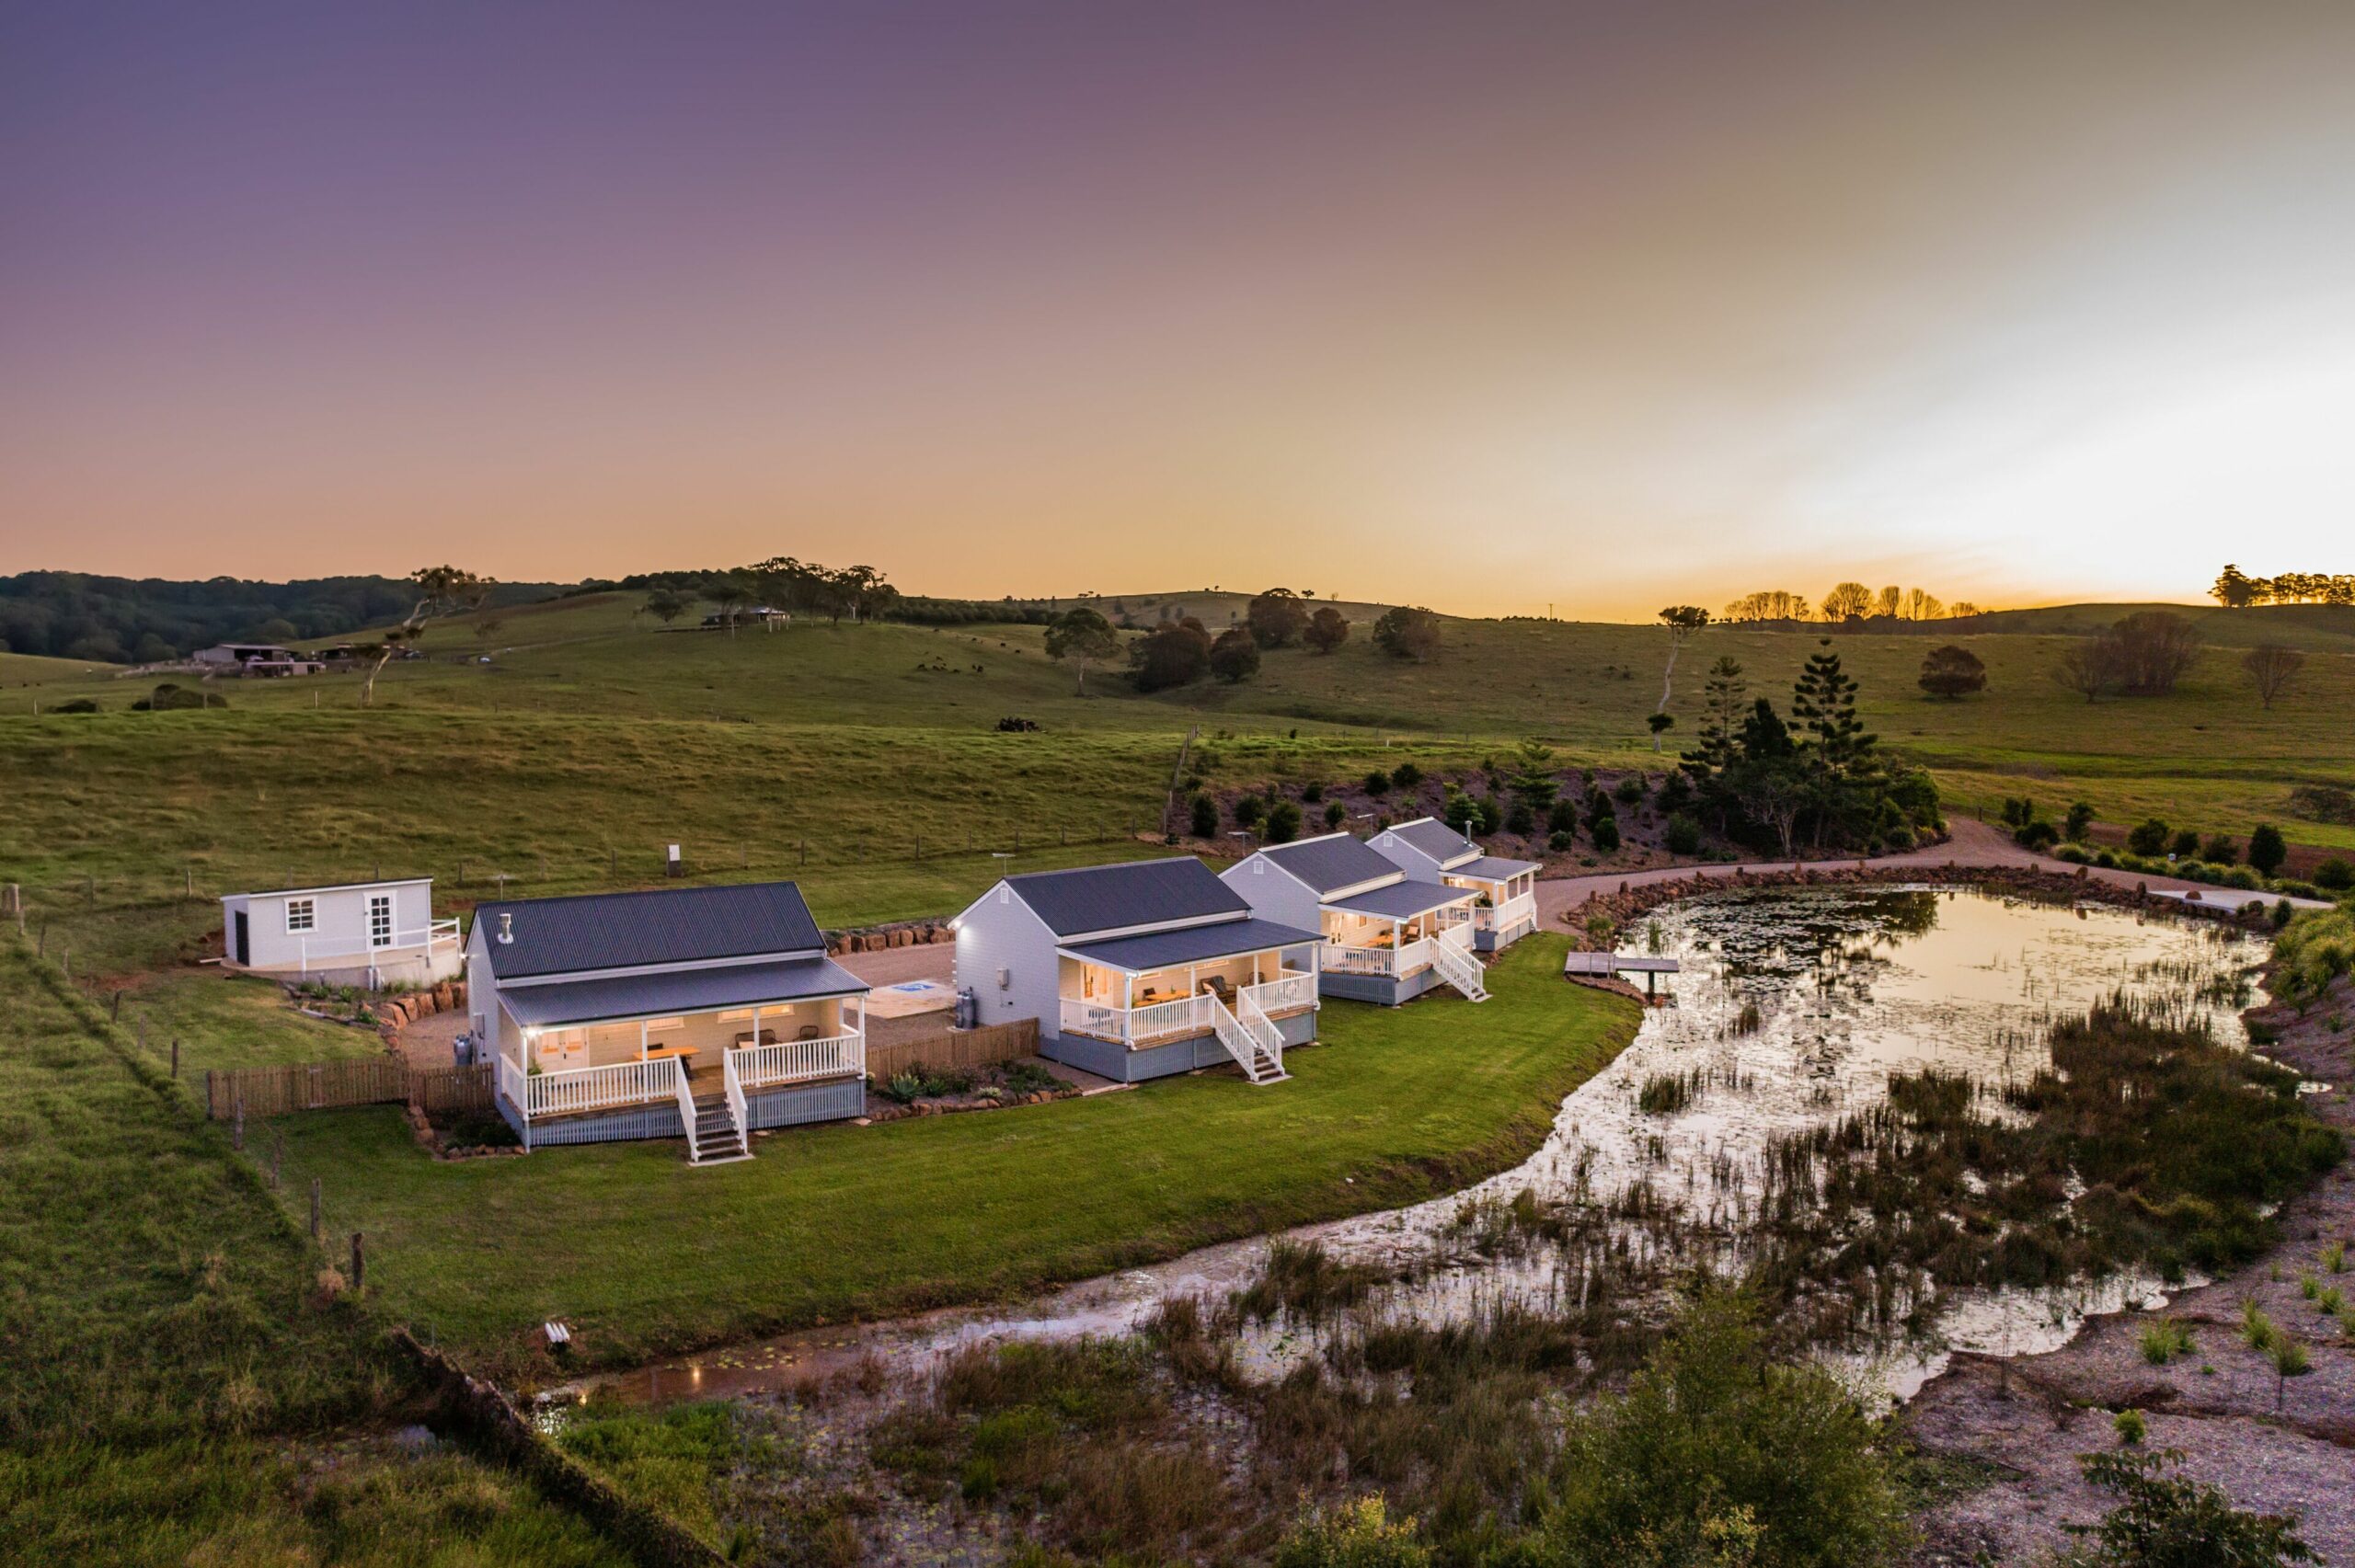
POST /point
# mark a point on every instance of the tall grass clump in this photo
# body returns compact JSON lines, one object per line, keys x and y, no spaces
{"x":1301,"y":1280}
{"x":2313,"y":950}
{"x":2163,"y":1341}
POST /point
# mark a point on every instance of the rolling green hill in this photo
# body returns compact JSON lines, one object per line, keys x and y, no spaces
{"x":561,"y":744}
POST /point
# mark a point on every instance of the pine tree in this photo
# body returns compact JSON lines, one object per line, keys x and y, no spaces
{"x":1723,"y":700}
{"x":1825,"y":703}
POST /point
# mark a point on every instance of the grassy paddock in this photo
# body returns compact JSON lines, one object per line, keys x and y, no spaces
{"x":646,"y":1257}
{"x":594,"y":731}
{"x":357,"y":1500}
{"x":179,"y":1388}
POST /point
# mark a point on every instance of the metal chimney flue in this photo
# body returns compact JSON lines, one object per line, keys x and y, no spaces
{"x":506,"y":927}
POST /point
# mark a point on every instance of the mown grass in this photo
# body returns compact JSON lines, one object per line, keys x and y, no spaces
{"x":180,"y":1387}
{"x":644,"y":1255}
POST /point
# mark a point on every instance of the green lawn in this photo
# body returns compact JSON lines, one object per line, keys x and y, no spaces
{"x":645,"y":1256}
{"x":177,"y":1390}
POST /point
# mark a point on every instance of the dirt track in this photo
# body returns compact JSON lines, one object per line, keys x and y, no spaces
{"x":1971,"y":844}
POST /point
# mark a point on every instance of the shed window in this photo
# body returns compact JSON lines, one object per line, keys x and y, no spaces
{"x":302,"y":914}
{"x":379,"y":920}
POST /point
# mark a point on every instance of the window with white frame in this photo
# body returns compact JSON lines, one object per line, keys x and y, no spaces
{"x":379,"y":920}
{"x":302,"y":914}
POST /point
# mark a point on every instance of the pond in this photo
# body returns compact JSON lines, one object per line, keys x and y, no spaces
{"x":1792,"y":1010}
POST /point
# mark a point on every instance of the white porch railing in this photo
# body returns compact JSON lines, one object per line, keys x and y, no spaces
{"x":685,"y":1096}
{"x":1296,"y":989}
{"x":735,"y":1085}
{"x":1411,"y":958}
{"x":1457,"y":967}
{"x":431,"y":937}
{"x":1509,"y":915}
{"x":1248,"y":1037}
{"x":1261,"y":1028}
{"x":580,"y":1089}
{"x":1135,"y":1026}
{"x":514,"y":1085}
{"x":797,"y":1061}
{"x":1457,"y":936}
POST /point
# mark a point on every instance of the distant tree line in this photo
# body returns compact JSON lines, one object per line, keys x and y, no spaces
{"x":781,"y":583}
{"x":1850,"y":601}
{"x":148,"y":620}
{"x":1178,"y":650}
{"x":2235,"y":589}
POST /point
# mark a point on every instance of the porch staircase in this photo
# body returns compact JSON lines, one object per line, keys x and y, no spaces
{"x":1251,"y":1038}
{"x":716,"y":1137}
{"x":1459,"y":969}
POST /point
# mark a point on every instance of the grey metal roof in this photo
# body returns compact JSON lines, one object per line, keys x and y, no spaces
{"x":1401,"y":901}
{"x":1191,"y":944}
{"x":327,"y":887}
{"x":1495,"y":868}
{"x":668,"y":925}
{"x":1435,"y":838}
{"x":679,"y":991}
{"x":1336,"y":860}
{"x":1136,"y":892}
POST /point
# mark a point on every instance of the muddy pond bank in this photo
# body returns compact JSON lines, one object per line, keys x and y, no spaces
{"x":1796,"y":1012}
{"x":2276,"y":1445}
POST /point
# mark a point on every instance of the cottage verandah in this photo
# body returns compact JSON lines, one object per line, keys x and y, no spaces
{"x":707,"y":1017}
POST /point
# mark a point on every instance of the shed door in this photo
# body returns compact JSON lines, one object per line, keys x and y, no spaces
{"x":245,"y":944}
{"x":379,"y":920}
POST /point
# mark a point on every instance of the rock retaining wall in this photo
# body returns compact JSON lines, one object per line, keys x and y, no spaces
{"x":902,"y":933}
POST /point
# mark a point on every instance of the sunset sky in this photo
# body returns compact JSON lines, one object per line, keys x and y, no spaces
{"x":1480,"y":306}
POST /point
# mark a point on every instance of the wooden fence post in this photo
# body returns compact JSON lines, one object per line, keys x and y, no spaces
{"x":315,"y":1211}
{"x":114,"y":1008}
{"x":176,"y":1056}
{"x":359,"y":1263}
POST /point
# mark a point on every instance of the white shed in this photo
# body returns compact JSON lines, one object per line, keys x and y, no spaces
{"x":371,"y":933}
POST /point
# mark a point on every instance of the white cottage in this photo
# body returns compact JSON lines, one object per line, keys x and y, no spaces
{"x":702,"y":1012}
{"x":367,"y":934}
{"x":1140,"y":970}
{"x":1505,"y":905}
{"x":1386,"y":938}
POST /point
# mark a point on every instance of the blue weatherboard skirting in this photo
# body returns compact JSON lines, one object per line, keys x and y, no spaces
{"x":610,"y":1127}
{"x":1386,"y":990}
{"x":790,"y":1106}
{"x":1486,"y":941}
{"x":831,"y":1101}
{"x":1297,"y":1028}
{"x":1107,"y":1059}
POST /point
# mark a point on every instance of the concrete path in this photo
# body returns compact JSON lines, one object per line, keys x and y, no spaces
{"x":1973,"y":844}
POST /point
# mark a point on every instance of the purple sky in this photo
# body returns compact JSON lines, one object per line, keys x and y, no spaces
{"x":1484,"y":306}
